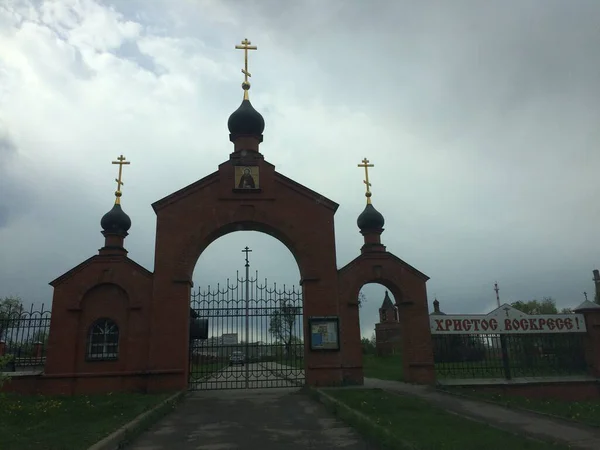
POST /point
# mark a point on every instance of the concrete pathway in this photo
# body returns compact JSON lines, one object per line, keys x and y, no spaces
{"x":265,"y":419}
{"x":577,"y":436}
{"x":253,"y":376}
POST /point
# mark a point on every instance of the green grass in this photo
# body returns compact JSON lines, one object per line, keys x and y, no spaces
{"x":587,"y":412}
{"x":66,"y":422}
{"x":406,"y":422}
{"x":383,"y":367}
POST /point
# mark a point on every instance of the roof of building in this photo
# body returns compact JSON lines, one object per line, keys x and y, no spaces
{"x":387,"y":302}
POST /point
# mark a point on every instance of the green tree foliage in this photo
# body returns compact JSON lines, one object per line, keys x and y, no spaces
{"x":4,"y":361}
{"x":11,"y":309}
{"x":368,"y":345}
{"x":281,"y":324}
{"x":536,"y":344}
{"x":362,"y":299}
{"x":546,"y":306}
{"x":458,"y":348}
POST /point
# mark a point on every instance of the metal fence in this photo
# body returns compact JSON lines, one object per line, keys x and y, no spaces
{"x":463,"y":356}
{"x":255,"y":336}
{"x":23,"y":337}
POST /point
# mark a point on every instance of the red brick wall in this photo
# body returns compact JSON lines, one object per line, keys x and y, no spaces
{"x":103,"y":287}
{"x":408,"y":288}
{"x":388,"y":338}
{"x":189,"y":220}
{"x":591,"y":340}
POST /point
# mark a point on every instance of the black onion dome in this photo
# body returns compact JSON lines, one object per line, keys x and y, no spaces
{"x":246,"y":121}
{"x":116,"y":221}
{"x":370,"y":219}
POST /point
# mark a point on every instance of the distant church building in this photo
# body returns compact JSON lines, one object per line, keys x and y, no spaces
{"x":436,"y":309}
{"x":388,"y":332}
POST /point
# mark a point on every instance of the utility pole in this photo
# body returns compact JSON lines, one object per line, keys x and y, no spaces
{"x":503,"y":344}
{"x":497,"y":289}
{"x":246,"y":251}
{"x":596,"y":279}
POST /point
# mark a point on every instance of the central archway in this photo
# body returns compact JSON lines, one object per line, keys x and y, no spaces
{"x":247,"y":330}
{"x":189,"y":220}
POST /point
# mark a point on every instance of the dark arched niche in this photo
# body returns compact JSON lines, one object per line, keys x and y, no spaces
{"x":105,"y":300}
{"x":103,"y":293}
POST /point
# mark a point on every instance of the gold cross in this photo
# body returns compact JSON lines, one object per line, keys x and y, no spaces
{"x":246,"y":46}
{"x":120,"y":161}
{"x":366,"y":165}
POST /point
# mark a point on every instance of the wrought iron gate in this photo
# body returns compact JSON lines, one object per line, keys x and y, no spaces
{"x":255,"y":336}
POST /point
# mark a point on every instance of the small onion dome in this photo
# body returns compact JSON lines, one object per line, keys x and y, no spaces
{"x":116,"y":221}
{"x":370,"y":219}
{"x":246,"y":121}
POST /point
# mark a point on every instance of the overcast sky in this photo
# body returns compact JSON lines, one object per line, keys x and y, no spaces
{"x":481,"y":119}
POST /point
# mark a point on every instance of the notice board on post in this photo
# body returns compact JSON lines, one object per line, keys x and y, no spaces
{"x":324,"y":333}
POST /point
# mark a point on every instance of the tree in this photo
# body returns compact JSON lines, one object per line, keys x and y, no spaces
{"x":362,"y":298}
{"x":282,"y":323}
{"x":546,"y":306}
{"x":368,"y":347}
{"x":532,"y":344}
{"x":4,"y":361}
{"x":11,"y":309}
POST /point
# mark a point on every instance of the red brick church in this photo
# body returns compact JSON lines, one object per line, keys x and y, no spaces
{"x":388,"y":332}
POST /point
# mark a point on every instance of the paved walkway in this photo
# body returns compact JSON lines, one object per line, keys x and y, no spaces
{"x":265,"y":419}
{"x":253,"y":375}
{"x":577,"y":436}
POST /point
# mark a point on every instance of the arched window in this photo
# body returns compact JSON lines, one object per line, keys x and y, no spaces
{"x":103,"y":340}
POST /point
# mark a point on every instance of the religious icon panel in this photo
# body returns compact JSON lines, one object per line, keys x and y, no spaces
{"x":246,"y":177}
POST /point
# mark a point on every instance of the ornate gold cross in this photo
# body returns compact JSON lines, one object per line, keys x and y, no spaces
{"x":366,"y":165}
{"x":120,"y":161}
{"x":246,"y":46}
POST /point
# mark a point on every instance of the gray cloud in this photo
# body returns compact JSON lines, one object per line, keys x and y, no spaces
{"x":481,"y":120}
{"x":15,"y":198}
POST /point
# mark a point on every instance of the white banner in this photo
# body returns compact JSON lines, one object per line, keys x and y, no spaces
{"x":507,"y":320}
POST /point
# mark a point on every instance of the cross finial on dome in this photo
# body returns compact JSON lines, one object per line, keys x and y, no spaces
{"x":366,"y":165}
{"x":246,"y":46}
{"x":120,"y":161}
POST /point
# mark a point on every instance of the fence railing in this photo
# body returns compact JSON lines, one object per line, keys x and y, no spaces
{"x":508,"y":356}
{"x":23,"y":337}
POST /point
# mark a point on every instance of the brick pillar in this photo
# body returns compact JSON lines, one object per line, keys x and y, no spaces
{"x":37,"y":349}
{"x":591,"y":341}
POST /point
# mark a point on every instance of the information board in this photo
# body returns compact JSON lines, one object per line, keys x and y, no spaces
{"x":324,"y":333}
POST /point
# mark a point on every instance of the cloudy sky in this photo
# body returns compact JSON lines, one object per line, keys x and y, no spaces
{"x":481,"y":119}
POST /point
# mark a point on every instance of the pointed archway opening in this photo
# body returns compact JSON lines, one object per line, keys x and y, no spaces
{"x":246,"y":315}
{"x":381,"y":332}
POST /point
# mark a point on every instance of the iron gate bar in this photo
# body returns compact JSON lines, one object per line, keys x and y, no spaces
{"x":273,"y":353}
{"x":507,"y":356}
{"x":24,"y":337}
